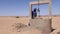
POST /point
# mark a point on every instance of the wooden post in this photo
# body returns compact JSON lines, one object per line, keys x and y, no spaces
{"x":50,"y":9}
{"x":30,"y":11}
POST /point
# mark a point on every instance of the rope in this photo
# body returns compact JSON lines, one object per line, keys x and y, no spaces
{"x":38,"y":4}
{"x":38,"y":8}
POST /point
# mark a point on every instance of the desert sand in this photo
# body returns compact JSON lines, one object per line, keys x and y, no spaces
{"x":7,"y":22}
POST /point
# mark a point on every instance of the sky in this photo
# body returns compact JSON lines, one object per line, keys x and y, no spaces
{"x":21,"y":7}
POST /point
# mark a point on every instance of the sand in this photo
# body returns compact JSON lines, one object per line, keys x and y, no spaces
{"x":6,"y":23}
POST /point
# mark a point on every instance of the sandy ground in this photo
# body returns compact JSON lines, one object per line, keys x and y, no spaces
{"x":7,"y":22}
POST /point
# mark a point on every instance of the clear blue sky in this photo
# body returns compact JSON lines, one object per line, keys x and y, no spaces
{"x":21,"y":7}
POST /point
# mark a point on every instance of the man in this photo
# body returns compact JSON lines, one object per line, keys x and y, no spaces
{"x":34,"y":13}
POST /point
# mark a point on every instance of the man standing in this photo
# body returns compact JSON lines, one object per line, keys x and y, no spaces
{"x":34,"y":13}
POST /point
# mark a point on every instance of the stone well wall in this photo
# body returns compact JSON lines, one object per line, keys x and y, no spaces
{"x":41,"y":24}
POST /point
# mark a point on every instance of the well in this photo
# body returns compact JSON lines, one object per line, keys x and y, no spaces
{"x":41,"y":24}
